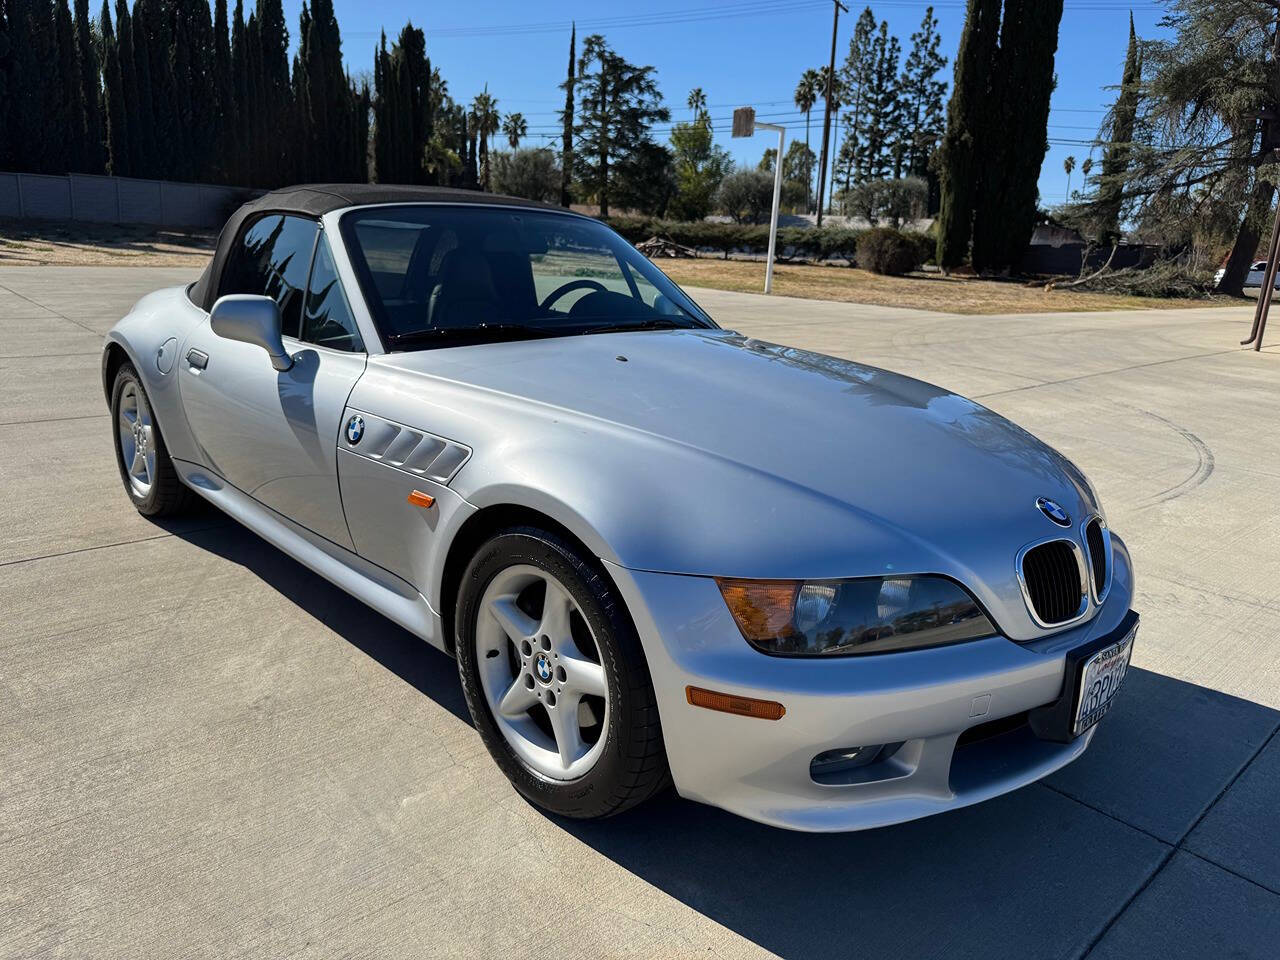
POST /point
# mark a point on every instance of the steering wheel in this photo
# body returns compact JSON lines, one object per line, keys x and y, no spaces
{"x":569,"y":287}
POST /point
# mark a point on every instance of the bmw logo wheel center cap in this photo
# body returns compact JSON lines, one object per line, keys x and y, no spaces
{"x":542,"y":667}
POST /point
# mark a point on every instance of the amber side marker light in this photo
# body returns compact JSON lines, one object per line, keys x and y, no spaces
{"x":420,"y":499}
{"x":728,"y":703}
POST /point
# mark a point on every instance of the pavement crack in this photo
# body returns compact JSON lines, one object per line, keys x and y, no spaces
{"x":108,"y":546}
{"x":62,"y":316}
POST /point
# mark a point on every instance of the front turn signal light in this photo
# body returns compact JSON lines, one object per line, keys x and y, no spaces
{"x":732,"y":703}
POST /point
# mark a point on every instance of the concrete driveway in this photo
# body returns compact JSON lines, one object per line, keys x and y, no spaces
{"x":205,"y":750}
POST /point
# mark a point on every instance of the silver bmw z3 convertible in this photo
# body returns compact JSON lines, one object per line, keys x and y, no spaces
{"x":811,"y":592}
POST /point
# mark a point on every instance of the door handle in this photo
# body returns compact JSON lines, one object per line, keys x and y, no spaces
{"x":198,"y":359}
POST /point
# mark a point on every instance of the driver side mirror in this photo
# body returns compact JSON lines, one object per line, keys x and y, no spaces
{"x":251,"y":319}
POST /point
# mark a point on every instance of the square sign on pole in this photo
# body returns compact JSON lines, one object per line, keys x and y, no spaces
{"x":744,"y":125}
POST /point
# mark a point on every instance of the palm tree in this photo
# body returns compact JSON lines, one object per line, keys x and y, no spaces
{"x":807,"y":92}
{"x":1085,"y":169}
{"x":1068,"y":165}
{"x":697,"y":103}
{"x":484,"y":115}
{"x":514,"y":126}
{"x":837,"y":101}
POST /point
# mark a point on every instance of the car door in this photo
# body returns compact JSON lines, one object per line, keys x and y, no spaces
{"x":273,"y":434}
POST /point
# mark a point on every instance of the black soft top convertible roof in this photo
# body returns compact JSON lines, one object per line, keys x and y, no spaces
{"x":317,"y":199}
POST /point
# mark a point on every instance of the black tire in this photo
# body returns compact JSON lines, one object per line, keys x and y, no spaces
{"x":167,"y":496}
{"x":633,"y":764}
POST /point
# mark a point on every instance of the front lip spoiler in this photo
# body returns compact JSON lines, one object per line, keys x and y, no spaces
{"x":1053,"y":720}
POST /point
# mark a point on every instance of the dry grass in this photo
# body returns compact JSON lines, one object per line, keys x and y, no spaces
{"x":34,"y":243}
{"x":922,"y":291}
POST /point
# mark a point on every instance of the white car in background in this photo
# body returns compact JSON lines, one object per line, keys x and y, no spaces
{"x":1254,"y":279}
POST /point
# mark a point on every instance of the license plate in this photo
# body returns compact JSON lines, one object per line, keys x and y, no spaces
{"x":1100,"y":678}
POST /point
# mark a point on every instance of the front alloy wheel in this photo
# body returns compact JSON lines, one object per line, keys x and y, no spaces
{"x":555,"y":676}
{"x":541,"y":672}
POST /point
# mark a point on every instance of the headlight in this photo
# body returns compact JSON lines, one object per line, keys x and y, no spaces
{"x":805,"y":618}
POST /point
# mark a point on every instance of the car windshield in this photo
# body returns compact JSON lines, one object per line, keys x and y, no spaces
{"x":439,"y":275}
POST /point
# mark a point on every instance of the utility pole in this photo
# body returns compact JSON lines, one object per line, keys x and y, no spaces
{"x":826,"y":113}
{"x":1269,"y":120}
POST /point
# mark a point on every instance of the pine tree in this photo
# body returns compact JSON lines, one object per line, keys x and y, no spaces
{"x":566,"y":120}
{"x":880,"y":107}
{"x":855,"y":78}
{"x":923,"y":113}
{"x":1005,"y":213}
{"x":94,"y":158}
{"x":965,"y":143}
{"x":1115,"y":157}
{"x":618,"y":103}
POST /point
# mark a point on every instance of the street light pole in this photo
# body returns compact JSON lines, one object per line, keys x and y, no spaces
{"x":745,"y":125}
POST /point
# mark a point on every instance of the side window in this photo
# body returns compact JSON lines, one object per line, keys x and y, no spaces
{"x":272,"y":259}
{"x":326,"y":316}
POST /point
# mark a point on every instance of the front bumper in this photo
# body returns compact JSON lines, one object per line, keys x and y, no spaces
{"x":926,"y":700}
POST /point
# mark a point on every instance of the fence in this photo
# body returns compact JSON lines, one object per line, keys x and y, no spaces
{"x":117,"y":200}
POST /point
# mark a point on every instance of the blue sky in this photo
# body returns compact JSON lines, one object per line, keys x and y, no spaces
{"x":741,"y":52}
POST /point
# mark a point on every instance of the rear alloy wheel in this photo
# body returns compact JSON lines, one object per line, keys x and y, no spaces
{"x":555,"y":677}
{"x":148,"y":474}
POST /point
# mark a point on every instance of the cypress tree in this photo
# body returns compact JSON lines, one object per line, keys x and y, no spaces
{"x":966,"y":139}
{"x":238,"y":127}
{"x":113,"y":99}
{"x":134,"y":132}
{"x":91,"y":91}
{"x":65,"y":141}
{"x":221,"y":133}
{"x":184,"y":70}
{"x":566,"y":119}
{"x":274,"y":97}
{"x":6,"y":60}
{"x":1005,"y":213}
{"x":381,"y":147}
{"x":1115,"y":158}
{"x":254,"y":154}
{"x":155,"y":100}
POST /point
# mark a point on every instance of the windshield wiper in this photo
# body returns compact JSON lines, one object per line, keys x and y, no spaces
{"x":479,"y":331}
{"x":655,"y":323}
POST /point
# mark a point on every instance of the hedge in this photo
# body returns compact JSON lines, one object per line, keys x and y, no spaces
{"x":811,"y":243}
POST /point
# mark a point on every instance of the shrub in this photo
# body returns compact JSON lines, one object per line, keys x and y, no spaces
{"x":887,"y":251}
{"x":809,"y":243}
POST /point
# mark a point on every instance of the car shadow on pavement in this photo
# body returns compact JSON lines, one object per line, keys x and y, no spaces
{"x":413,"y":660}
{"x":1041,"y":872}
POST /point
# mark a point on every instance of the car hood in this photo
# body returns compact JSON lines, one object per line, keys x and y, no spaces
{"x":919,"y":458}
